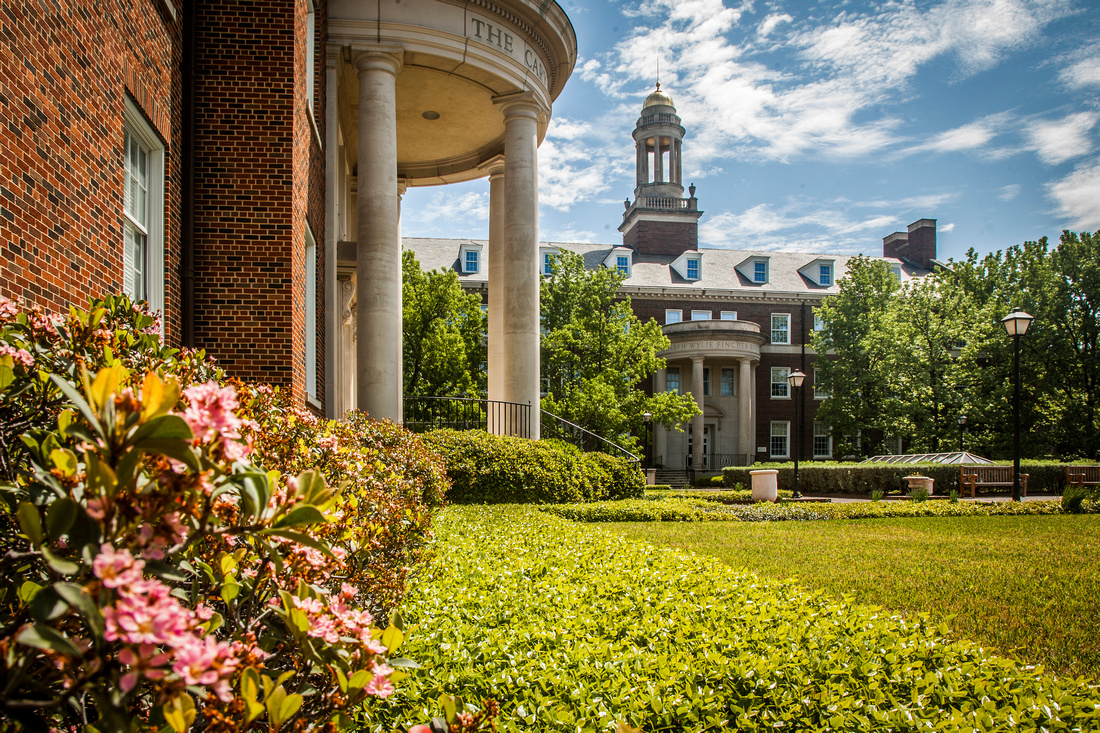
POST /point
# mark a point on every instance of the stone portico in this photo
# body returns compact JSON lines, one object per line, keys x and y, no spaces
{"x":715,"y":361}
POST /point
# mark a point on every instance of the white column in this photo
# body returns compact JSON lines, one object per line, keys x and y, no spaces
{"x":378,"y":250}
{"x":333,"y":175}
{"x":402,"y":186}
{"x":752,"y":410}
{"x":745,"y":437}
{"x":658,"y":162}
{"x":697,"y":421}
{"x":642,"y":164}
{"x":496,"y":284}
{"x":520,"y":284}
{"x":347,"y":344}
{"x":660,"y":433}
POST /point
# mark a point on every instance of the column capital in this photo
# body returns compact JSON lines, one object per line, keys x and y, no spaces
{"x":494,"y":167}
{"x":333,"y":53}
{"x":402,"y":186}
{"x":389,"y":58}
{"x":522,"y":104}
{"x":696,"y":360}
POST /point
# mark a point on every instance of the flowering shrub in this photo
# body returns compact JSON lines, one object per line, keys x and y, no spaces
{"x":390,"y":480}
{"x":155,"y":577}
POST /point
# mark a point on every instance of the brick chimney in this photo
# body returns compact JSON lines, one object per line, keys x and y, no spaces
{"x":917,"y":246}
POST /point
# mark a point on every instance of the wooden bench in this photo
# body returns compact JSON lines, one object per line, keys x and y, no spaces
{"x":1082,"y":475}
{"x":976,"y":477}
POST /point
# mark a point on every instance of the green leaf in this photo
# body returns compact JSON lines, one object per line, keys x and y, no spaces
{"x":65,"y":460}
{"x":60,"y":517}
{"x":301,"y":514}
{"x":74,"y":397}
{"x":58,"y":564}
{"x":180,"y":713}
{"x":300,"y":538}
{"x":30,"y":522}
{"x":28,"y":591}
{"x":78,"y":597}
{"x":173,"y":448}
{"x":165,"y":427}
{"x":47,"y":638}
{"x":392,"y":638}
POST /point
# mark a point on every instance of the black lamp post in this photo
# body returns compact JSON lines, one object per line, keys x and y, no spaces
{"x":647,"y":417}
{"x":962,"y":423}
{"x":795,"y":378}
{"x":1016,"y":324}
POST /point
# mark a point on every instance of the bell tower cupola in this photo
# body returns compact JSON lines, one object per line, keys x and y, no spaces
{"x":660,"y":220}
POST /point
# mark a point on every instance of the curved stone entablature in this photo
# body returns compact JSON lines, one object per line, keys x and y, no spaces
{"x":713,"y":339}
{"x":458,"y":57}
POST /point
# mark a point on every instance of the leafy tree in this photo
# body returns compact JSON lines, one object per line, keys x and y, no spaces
{"x":444,"y":350}
{"x":596,"y":353}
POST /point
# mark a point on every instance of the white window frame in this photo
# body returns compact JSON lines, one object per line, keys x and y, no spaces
{"x":727,"y":316}
{"x":622,"y":265}
{"x":670,"y":372}
{"x":462,"y":254}
{"x":311,"y":313}
{"x":773,"y":330}
{"x":701,"y":315}
{"x":777,"y":391}
{"x":134,"y":124}
{"x":732,"y":382}
{"x":896,"y":271}
{"x":819,"y":428}
{"x":670,"y":318}
{"x":471,"y":257}
{"x":786,"y":436}
{"x":311,"y":62}
{"x":825,"y":274}
{"x":698,"y":263}
{"x":756,"y":272}
{"x":818,"y":393}
{"x":547,"y":263}
{"x":819,"y":323}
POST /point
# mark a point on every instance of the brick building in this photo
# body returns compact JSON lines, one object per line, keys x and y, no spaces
{"x":738,"y":321}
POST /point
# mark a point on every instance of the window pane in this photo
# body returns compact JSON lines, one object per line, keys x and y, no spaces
{"x":672,"y":380}
{"x":781,"y":329}
{"x":826,"y":275}
{"x":728,"y":382}
{"x":706,"y":382}
{"x":729,"y":315}
{"x":133,"y":261}
{"x":760,"y":272}
{"x":778,"y":445}
{"x":700,"y":315}
{"x":673,"y":316}
{"x":693,"y":269}
{"x":820,"y":392}
{"x":779,"y":381}
{"x":623,"y":264}
{"x":823,"y":443}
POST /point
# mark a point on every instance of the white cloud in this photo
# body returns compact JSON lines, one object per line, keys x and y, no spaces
{"x":1084,"y":73}
{"x":1078,"y":197}
{"x":1009,"y":192}
{"x":463,"y":212}
{"x":970,"y":136}
{"x":569,"y":235}
{"x":944,"y":228}
{"x":768,"y":24}
{"x":1061,"y":140}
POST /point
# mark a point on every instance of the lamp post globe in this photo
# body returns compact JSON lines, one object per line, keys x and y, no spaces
{"x":962,"y":423}
{"x":1015,"y":325}
{"x":647,"y":417}
{"x":796,"y":378}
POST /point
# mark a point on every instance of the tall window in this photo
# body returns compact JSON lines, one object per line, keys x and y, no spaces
{"x":622,"y":264}
{"x":672,"y":380}
{"x":547,"y":263}
{"x":729,"y":382}
{"x":706,"y":381}
{"x":700,"y":315}
{"x":825,"y":275}
{"x":820,"y":393}
{"x":819,"y":324}
{"x":779,"y":433}
{"x":760,"y":272}
{"x":729,"y":315}
{"x":471,"y":261}
{"x":781,"y":328}
{"x":142,"y":210}
{"x":823,"y":441}
{"x":673,"y":316}
{"x":311,"y":315}
{"x":693,"y":269}
{"x":779,"y":382}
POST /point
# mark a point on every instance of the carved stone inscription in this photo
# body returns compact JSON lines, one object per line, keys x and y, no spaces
{"x":491,"y":34}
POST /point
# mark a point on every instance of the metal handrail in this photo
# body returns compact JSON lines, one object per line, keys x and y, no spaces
{"x":579,"y":435}
{"x":466,"y":413}
{"x":717,"y":461}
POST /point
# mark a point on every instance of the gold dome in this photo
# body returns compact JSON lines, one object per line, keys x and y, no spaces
{"x":658,"y":98}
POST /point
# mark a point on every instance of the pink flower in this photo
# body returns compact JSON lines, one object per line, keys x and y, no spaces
{"x":195,"y":661}
{"x":380,"y":685}
{"x":143,"y":662}
{"x":421,"y":729}
{"x":21,"y":356}
{"x":8,"y":308}
{"x":116,"y":569}
{"x":204,"y":612}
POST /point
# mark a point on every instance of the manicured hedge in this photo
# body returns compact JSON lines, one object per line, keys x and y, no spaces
{"x":573,"y":629}
{"x":1044,"y":477}
{"x":491,"y":469}
{"x":682,"y":508}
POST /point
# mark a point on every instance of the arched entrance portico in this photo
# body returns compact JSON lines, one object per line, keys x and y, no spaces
{"x":716,"y":362}
{"x":429,"y":92}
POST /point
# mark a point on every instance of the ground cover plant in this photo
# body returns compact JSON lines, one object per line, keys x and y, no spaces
{"x":1021,"y":585}
{"x":161,"y":568}
{"x":572,"y":628}
{"x":688,"y":507}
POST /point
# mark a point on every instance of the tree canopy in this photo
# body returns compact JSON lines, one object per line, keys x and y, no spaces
{"x":596,"y":354}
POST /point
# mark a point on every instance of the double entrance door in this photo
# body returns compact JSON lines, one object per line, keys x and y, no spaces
{"x":706,"y":446}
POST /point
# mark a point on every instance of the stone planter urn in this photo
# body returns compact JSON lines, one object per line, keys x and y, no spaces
{"x":919,"y":482}
{"x":765,"y":484}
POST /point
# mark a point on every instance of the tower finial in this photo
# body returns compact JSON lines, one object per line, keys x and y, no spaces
{"x":658,"y":73}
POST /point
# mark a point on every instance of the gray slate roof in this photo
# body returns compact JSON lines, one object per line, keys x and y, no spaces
{"x":653,"y":272}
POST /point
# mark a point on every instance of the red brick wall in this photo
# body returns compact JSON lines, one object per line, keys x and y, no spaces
{"x":65,"y":70}
{"x":662,"y":237}
{"x":261,"y":178}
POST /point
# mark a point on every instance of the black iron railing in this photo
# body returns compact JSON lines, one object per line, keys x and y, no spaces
{"x":466,"y":413}
{"x":560,"y":428}
{"x":718,"y":461}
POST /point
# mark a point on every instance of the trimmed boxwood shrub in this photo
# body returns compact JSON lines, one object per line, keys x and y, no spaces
{"x":1044,"y":477}
{"x":486,"y":468}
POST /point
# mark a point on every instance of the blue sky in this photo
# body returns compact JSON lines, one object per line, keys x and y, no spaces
{"x":824,"y":125}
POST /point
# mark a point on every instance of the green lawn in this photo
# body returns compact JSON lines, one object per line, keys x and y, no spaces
{"x":1026,"y":586}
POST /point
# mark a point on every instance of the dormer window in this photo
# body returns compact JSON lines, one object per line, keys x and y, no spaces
{"x":825,"y":275}
{"x":693,"y":268}
{"x":755,"y":269}
{"x":760,"y":272}
{"x":546,"y":260}
{"x":469,"y":259}
{"x":622,"y":265}
{"x":620,"y":260}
